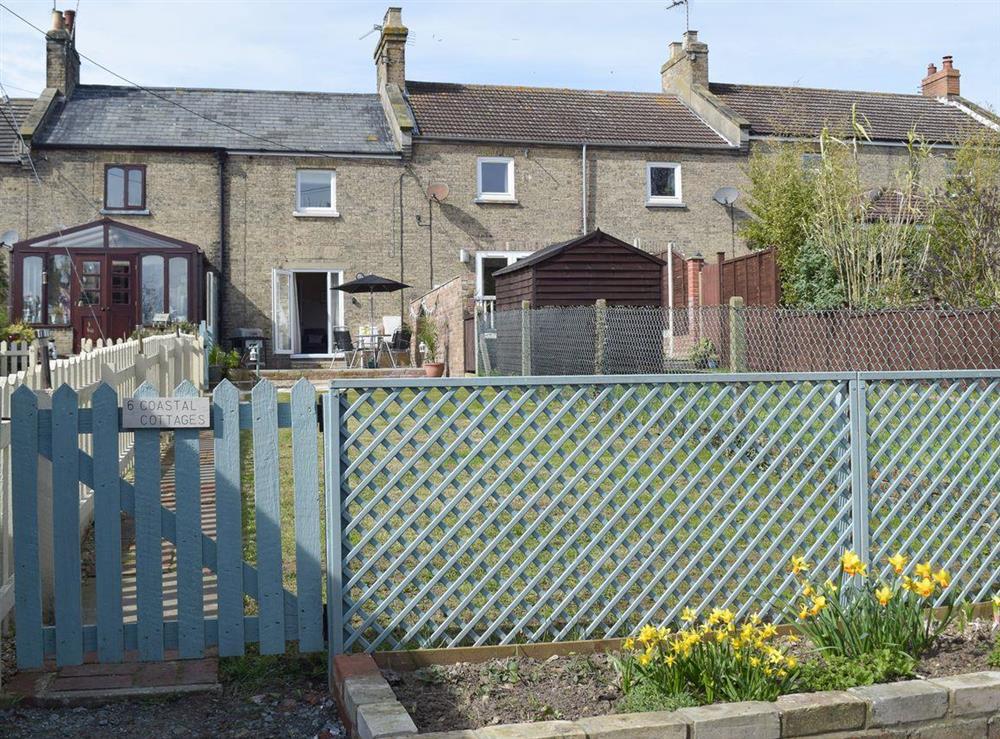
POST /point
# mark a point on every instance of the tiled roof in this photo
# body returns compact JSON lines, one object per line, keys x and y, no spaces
{"x":514,"y":114}
{"x":10,"y":144}
{"x":802,"y":111}
{"x":104,"y":115}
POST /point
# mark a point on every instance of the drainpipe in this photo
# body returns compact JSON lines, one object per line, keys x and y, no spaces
{"x":220,"y":283}
{"x":583,"y":189}
{"x":402,"y":293}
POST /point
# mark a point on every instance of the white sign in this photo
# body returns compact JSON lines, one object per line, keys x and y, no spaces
{"x":165,"y":413}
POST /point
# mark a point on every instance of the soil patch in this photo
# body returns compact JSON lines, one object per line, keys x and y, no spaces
{"x":520,"y":689}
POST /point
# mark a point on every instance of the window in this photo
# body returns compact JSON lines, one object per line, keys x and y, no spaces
{"x":152,"y":287}
{"x":663,"y":183}
{"x":58,"y":287}
{"x":178,"y":289}
{"x":487,"y":264}
{"x":495,"y":179}
{"x":316,"y":192}
{"x":31,"y":289}
{"x":125,"y":187}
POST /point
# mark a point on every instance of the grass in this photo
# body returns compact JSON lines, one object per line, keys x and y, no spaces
{"x":255,"y":673}
{"x":488,"y":559}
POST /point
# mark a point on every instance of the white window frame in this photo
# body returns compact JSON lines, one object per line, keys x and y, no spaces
{"x":510,"y":256}
{"x":495,"y":197}
{"x":330,"y":212}
{"x":293,"y":313}
{"x":660,"y":200}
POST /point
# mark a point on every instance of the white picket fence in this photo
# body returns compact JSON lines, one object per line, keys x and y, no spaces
{"x":165,"y":361}
{"x":16,"y":356}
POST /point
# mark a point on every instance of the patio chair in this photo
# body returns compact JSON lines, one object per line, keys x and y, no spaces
{"x":400,"y":342}
{"x":343,"y":343}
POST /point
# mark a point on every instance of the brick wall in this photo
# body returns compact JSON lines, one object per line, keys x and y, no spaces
{"x":447,"y":306}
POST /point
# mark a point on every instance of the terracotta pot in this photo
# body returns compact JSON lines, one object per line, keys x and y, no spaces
{"x":434,"y":369}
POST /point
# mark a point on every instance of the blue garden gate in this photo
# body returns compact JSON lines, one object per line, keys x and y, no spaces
{"x":252,"y":605}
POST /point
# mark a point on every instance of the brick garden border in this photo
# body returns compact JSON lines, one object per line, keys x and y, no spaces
{"x":964,"y":705}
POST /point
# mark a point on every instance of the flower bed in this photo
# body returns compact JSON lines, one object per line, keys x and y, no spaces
{"x":852,"y":633}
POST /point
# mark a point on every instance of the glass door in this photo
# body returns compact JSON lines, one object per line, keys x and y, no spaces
{"x":91,"y":309}
{"x":283,"y":310}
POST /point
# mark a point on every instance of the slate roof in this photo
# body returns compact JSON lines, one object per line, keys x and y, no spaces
{"x":513,"y":114}
{"x":803,"y":111}
{"x":10,"y":144}
{"x":106,"y":115}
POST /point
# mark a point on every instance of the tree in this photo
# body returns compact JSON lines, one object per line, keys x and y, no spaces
{"x":963,"y":266}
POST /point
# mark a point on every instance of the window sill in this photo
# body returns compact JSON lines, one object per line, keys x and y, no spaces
{"x":487,"y":200}
{"x":124,"y":212}
{"x":665,"y":204}
{"x":315,"y":214}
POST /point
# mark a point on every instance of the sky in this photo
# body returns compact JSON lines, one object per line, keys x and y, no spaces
{"x":848,"y":44}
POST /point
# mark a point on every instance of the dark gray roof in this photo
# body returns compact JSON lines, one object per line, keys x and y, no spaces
{"x":105,"y":115}
{"x":12,"y":115}
{"x":804,"y":111}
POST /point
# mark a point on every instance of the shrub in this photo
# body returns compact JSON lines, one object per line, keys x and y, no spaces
{"x":860,"y":615}
{"x":646,"y":697}
{"x":716,"y":660}
{"x":836,"y":672}
{"x":18,"y":332}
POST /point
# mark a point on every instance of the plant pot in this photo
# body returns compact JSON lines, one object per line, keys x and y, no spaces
{"x":434,"y":369}
{"x":215,"y":373}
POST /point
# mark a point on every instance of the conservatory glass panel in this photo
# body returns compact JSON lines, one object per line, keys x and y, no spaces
{"x":152,"y":287}
{"x":31,"y":289}
{"x":123,"y":238}
{"x":60,"y":274}
{"x":88,"y":238}
{"x":178,"y":289}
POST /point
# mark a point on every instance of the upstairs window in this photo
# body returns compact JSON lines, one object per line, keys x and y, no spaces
{"x":316,"y":192}
{"x":495,"y":178}
{"x":663,"y":183}
{"x":125,"y":187}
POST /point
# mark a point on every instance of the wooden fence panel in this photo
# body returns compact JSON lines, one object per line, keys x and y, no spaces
{"x":308,"y":575}
{"x":28,"y":594}
{"x":267,"y":513}
{"x":190,"y":588}
{"x":148,"y":536}
{"x":107,"y":526}
{"x":66,"y":526}
{"x":229,"y":513}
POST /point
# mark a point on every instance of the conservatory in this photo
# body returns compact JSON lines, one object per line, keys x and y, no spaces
{"x":104,"y":279}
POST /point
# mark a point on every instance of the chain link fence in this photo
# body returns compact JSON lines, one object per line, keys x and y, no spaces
{"x":586,"y":340}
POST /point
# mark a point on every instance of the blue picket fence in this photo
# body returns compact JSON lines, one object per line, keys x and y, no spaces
{"x":281,"y":614}
{"x":505,"y":510}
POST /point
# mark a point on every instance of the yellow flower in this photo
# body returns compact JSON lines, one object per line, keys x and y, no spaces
{"x":629,"y":643}
{"x":924,"y":570}
{"x":688,"y":615}
{"x":648,"y":634}
{"x":907,"y":584}
{"x":720,"y":636}
{"x":720,"y":616}
{"x":768,"y":631}
{"x":807,"y":590}
{"x":804,"y":613}
{"x":924,"y":588}
{"x":898,"y":562}
{"x":791,"y":662}
{"x":644,"y":659}
{"x":996,"y":600}
{"x":942,"y":578}
{"x":884,"y":595}
{"x":852,"y":564}
{"x":799,"y":564}
{"x":830,"y":586}
{"x":755,"y":661}
{"x":669,"y":660}
{"x":819,"y":603}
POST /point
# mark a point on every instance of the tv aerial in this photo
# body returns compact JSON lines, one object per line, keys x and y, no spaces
{"x":727,"y":197}
{"x":687,"y":12}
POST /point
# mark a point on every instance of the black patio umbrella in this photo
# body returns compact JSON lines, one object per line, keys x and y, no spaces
{"x":371,"y":284}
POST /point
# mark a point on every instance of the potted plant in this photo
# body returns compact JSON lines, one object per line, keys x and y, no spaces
{"x":703,"y":355}
{"x":220,"y":363}
{"x":427,"y":336}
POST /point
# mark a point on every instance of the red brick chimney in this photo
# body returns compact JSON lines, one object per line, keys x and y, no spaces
{"x":941,"y":83}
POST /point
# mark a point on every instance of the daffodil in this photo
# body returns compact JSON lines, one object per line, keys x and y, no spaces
{"x":923,"y":570}
{"x":852,"y":563}
{"x":996,"y":600}
{"x":669,"y":660}
{"x":818,"y":604}
{"x":629,"y":643}
{"x":648,"y":634}
{"x":688,"y":615}
{"x":791,"y":662}
{"x":924,"y":588}
{"x":804,"y":613}
{"x":644,"y":659}
{"x":907,"y":584}
{"x":898,"y":562}
{"x":884,"y":595}
{"x":799,"y":564}
{"x":829,"y":585}
{"x":942,"y":578}
{"x":807,"y":590}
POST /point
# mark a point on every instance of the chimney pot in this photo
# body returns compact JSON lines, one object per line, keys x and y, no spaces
{"x":931,"y":69}
{"x":946,"y":62}
{"x":70,"y":17}
{"x":57,"y":20}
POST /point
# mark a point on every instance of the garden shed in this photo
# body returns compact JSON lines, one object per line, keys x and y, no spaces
{"x":581,"y":271}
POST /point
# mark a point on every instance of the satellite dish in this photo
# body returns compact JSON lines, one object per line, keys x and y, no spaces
{"x":726,"y":195}
{"x":9,"y":237}
{"x":437,"y":191}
